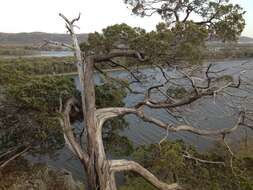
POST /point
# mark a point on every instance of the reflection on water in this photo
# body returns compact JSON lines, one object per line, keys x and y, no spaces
{"x":205,"y":113}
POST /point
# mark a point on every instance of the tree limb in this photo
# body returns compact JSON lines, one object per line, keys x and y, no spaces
{"x":118,"y":53}
{"x":68,"y":133}
{"x":59,"y":44}
{"x":125,"y":165}
{"x":14,"y":157}
{"x":126,"y":68}
{"x":81,"y":63}
{"x":188,"y":156}
{"x":108,"y":113}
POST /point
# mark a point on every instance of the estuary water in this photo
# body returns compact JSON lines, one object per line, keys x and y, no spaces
{"x":207,"y":113}
{"x":41,"y":54}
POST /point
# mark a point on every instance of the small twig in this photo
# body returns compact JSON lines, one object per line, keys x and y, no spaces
{"x":227,"y":146}
{"x":14,"y":157}
{"x":191,"y":81}
{"x":220,"y":89}
{"x":61,"y":105}
{"x":8,"y":152}
{"x":164,"y":138}
{"x":232,"y":155}
{"x":188,"y":156}
{"x":127,"y":69}
{"x":119,"y":81}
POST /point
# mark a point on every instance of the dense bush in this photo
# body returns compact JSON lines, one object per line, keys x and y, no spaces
{"x":169,"y":164}
{"x":36,"y":66}
{"x":30,"y":110}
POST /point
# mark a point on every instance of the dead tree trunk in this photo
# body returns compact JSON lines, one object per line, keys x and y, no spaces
{"x":98,"y":169}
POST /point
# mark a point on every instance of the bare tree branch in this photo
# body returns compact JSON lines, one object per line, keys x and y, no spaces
{"x":81,"y":63}
{"x":119,"y":53}
{"x":68,"y":133}
{"x":14,"y":157}
{"x":126,"y":68}
{"x":107,"y":113}
{"x":188,"y":156}
{"x":125,"y":165}
{"x":119,"y":81}
{"x":185,"y":101}
{"x":59,"y":44}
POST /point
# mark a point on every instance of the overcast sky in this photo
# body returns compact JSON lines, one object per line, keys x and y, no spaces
{"x":42,"y":15}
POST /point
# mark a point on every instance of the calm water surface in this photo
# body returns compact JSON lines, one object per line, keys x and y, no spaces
{"x":206,"y":113}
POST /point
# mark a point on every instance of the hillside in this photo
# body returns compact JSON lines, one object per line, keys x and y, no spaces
{"x":35,"y":38}
{"x":245,"y":39}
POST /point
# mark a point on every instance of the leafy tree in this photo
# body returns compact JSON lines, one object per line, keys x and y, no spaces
{"x":220,"y":18}
{"x":98,"y":167}
{"x":30,"y":106}
{"x":181,"y":37}
{"x":169,"y":161}
{"x":192,"y":22}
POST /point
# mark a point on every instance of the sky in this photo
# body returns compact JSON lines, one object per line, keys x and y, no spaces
{"x":42,"y":15}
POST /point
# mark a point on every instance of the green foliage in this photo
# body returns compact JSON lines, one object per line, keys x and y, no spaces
{"x":175,"y":39}
{"x":137,"y":184}
{"x":167,"y":162}
{"x":221,"y":18}
{"x":110,"y":95}
{"x":191,"y":41}
{"x":41,"y":96}
{"x":177,"y":92}
{"x":160,"y":46}
{"x":38,"y":102}
{"x":43,"y":93}
{"x":23,"y":67}
{"x":230,"y":22}
{"x":104,"y":43}
{"x":14,"y":51}
{"x":182,"y":36}
{"x":39,"y":93}
{"x":29,"y":114}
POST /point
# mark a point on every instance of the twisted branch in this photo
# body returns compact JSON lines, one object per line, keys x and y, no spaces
{"x":125,"y":165}
{"x":68,"y":132}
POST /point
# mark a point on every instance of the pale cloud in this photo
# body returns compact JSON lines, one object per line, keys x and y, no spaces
{"x":42,"y":15}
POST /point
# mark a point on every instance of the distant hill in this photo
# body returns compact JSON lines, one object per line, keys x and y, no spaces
{"x":242,"y":39}
{"x":245,"y":39}
{"x":35,"y":38}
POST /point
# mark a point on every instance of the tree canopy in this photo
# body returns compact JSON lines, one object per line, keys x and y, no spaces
{"x":220,"y":18}
{"x":182,"y":35}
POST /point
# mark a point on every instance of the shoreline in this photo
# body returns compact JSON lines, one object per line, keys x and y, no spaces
{"x":145,"y":66}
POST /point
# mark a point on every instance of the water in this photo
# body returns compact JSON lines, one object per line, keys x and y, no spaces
{"x":42,"y":54}
{"x":52,"y":54}
{"x":208,"y":113}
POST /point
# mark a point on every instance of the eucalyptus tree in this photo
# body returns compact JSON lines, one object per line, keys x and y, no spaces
{"x":183,"y":33}
{"x":219,"y":17}
{"x":189,"y":23}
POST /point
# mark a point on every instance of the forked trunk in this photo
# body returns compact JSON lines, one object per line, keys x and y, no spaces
{"x":98,"y":169}
{"x":98,"y":172}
